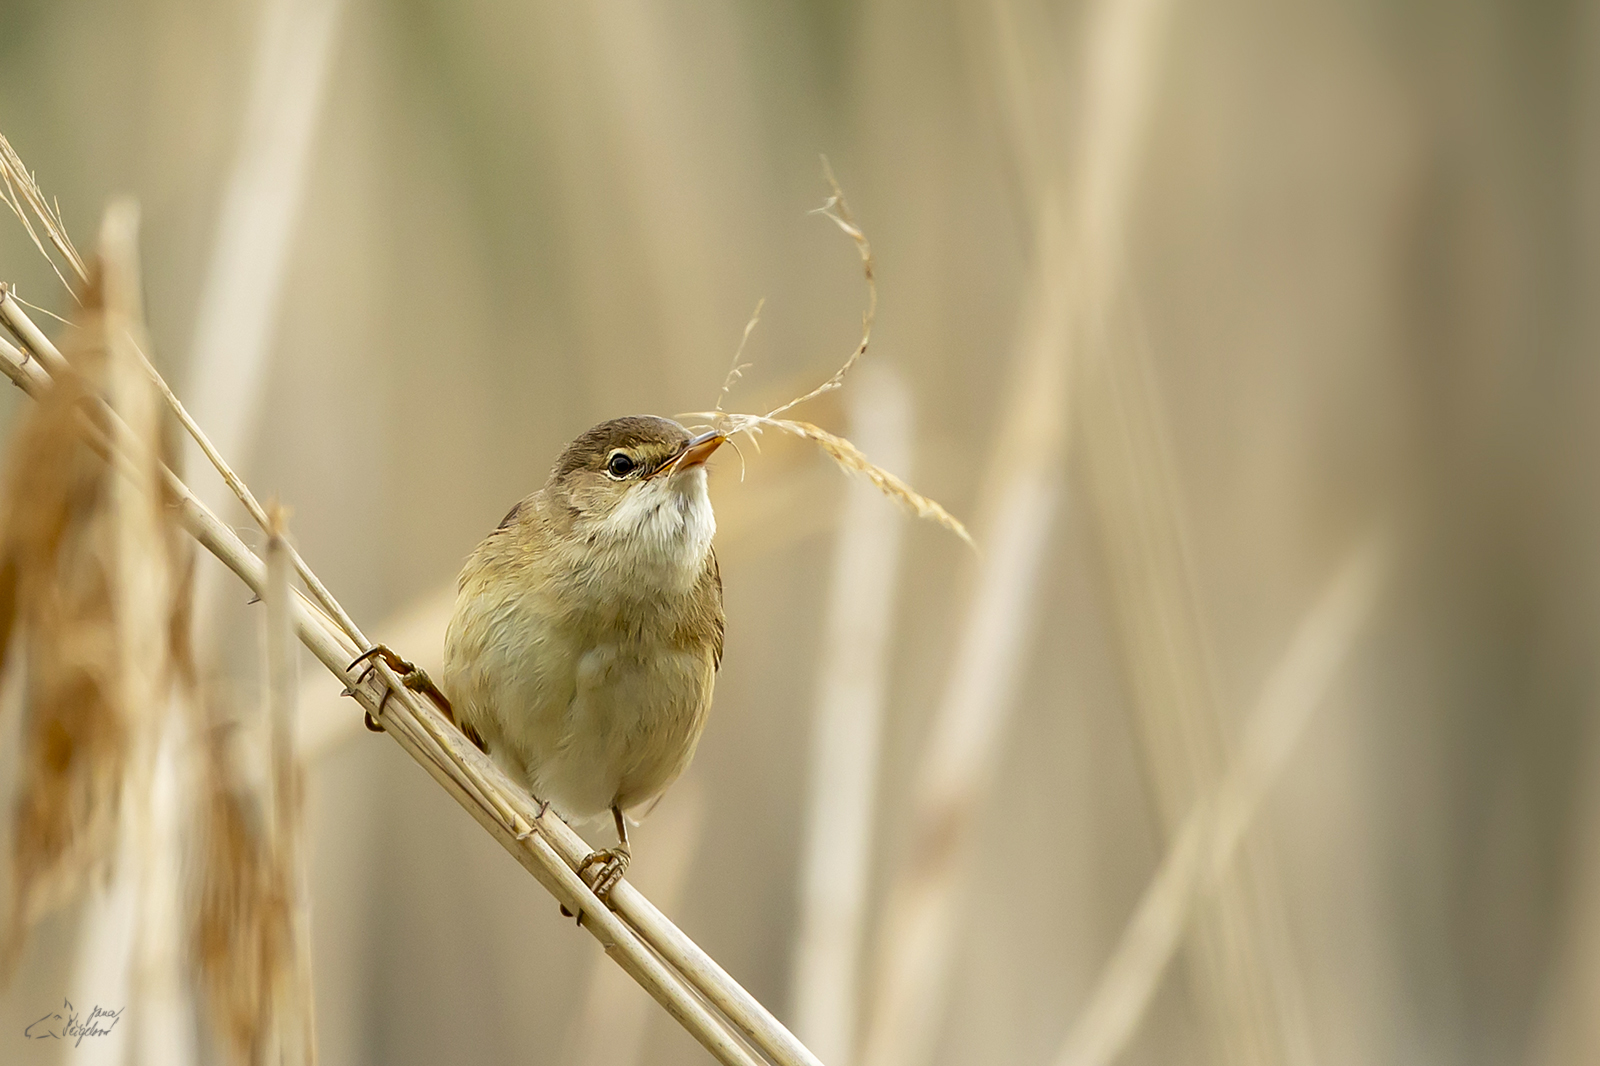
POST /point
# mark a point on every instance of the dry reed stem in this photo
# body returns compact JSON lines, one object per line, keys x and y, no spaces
{"x":852,"y":691}
{"x":324,"y":721}
{"x":1203,"y":849}
{"x":661,"y":963}
{"x":153,"y":622}
{"x":293,"y":1005}
{"x":295,"y":44}
{"x":609,"y":1029}
{"x":33,"y":339}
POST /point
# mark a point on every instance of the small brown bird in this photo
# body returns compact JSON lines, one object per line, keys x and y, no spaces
{"x":588,"y":626}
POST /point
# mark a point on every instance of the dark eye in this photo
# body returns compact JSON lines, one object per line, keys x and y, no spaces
{"x":620,"y":464}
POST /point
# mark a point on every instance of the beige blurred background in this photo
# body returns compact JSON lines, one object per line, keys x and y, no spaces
{"x":1348,"y":283}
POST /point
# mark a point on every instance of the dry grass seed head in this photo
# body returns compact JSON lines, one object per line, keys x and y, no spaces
{"x":844,"y":453}
{"x":851,"y":459}
{"x":22,"y":194}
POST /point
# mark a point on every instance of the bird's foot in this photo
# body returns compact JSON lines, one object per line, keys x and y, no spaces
{"x":412,"y":677}
{"x":613,"y":863}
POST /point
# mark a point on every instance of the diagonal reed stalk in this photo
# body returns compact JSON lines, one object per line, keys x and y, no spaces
{"x":1200,"y":854}
{"x":689,"y":984}
{"x":1247,"y":981}
{"x":610,"y":1028}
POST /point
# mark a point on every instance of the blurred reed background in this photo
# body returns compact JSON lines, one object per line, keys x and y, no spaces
{"x":1179,"y":305}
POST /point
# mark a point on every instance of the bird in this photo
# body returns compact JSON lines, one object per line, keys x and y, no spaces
{"x":588,"y":627}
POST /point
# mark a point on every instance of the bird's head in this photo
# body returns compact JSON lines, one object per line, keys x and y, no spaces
{"x":638,"y":485}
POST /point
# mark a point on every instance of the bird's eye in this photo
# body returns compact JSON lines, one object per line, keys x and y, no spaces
{"x":620,"y":465}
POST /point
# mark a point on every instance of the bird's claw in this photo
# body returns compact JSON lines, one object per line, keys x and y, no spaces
{"x":613,"y":863}
{"x":411,"y":676}
{"x":390,"y":659}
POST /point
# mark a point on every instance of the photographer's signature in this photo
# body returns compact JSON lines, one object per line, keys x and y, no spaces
{"x":68,"y":1024}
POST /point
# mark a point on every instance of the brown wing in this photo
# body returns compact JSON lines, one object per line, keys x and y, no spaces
{"x":714,"y":573}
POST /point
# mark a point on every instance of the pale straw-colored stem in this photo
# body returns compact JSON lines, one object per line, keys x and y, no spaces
{"x":1204,"y":847}
{"x":297,"y":1005}
{"x":144,"y":585}
{"x":609,"y":1029}
{"x":31,"y":336}
{"x":294,"y":48}
{"x":852,"y":685}
{"x":324,"y":726}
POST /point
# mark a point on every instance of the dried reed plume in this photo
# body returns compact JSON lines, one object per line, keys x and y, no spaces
{"x":251,"y":935}
{"x":241,"y":932}
{"x":92,"y":584}
{"x":840,"y":450}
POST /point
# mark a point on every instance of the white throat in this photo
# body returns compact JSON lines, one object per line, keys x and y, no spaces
{"x":663,"y":529}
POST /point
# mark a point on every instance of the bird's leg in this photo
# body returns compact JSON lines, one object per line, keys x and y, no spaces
{"x":613,"y":862}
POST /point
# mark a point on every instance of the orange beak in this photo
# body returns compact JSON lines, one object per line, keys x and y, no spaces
{"x":697,"y":451}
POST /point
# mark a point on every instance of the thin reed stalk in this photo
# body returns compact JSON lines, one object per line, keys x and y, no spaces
{"x":234,"y":322}
{"x":852,"y":690}
{"x":294,"y":1004}
{"x":609,"y":1028}
{"x":1202,"y":851}
{"x":158,"y":996}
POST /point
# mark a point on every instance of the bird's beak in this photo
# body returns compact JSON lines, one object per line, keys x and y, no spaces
{"x":697,"y":451}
